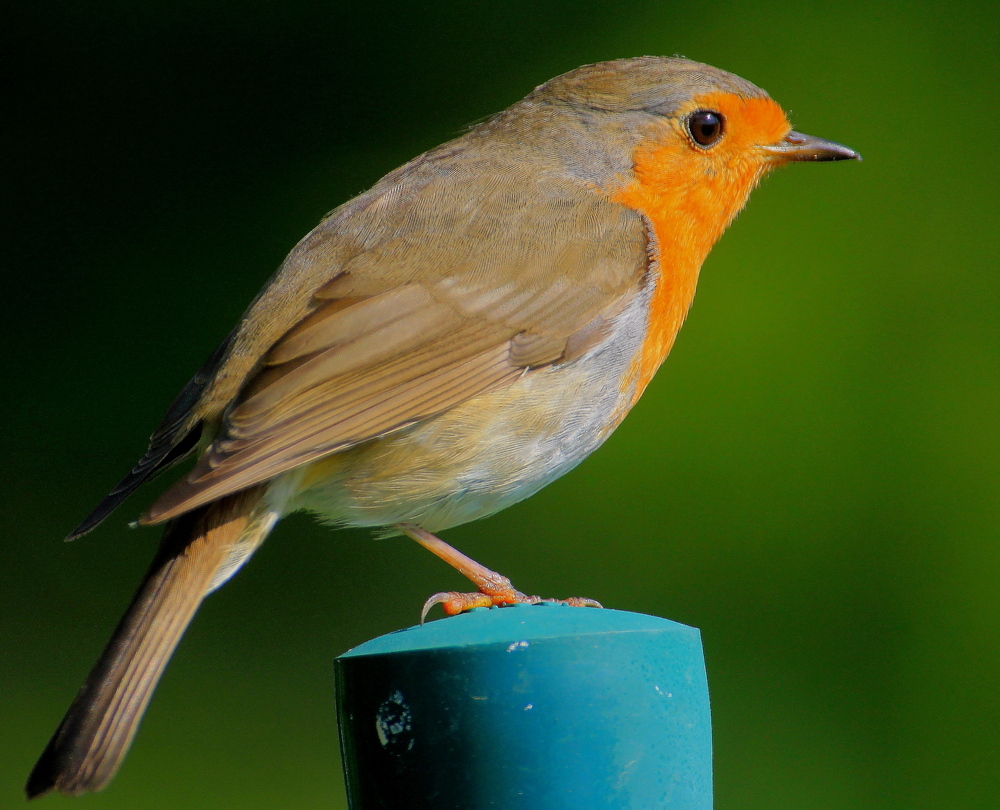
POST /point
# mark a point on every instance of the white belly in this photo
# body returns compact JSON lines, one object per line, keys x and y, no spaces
{"x":484,"y":455}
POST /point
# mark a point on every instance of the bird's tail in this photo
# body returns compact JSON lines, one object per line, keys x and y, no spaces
{"x":198,"y":552}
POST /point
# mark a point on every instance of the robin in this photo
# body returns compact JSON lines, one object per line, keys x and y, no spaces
{"x":440,"y":347}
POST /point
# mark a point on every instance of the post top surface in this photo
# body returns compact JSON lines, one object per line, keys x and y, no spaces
{"x":514,"y":624}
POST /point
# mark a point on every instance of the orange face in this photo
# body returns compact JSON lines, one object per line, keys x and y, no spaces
{"x":699,"y":188}
{"x":690,"y":180}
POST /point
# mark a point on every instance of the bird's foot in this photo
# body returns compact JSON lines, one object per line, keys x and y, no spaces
{"x":495,"y":589}
{"x":497,"y":592}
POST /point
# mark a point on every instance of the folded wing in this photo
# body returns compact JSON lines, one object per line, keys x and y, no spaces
{"x":435,"y":289}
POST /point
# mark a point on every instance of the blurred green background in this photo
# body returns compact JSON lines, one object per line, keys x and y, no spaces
{"x":813,"y":479}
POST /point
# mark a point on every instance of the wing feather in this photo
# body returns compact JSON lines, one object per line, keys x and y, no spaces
{"x":427,"y":291}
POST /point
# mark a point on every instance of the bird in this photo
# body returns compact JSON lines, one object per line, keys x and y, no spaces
{"x":438,"y":348}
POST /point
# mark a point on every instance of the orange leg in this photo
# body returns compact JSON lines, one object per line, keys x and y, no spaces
{"x":494,"y":589}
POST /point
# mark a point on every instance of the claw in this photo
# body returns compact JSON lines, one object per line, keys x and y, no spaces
{"x":455,"y":603}
{"x":578,"y":601}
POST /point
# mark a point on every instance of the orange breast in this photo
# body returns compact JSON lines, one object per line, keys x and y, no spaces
{"x":689,"y":198}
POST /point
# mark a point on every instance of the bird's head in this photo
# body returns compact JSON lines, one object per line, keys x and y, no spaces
{"x":670,"y":136}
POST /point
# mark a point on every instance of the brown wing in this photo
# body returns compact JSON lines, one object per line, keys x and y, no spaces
{"x":442,"y":287}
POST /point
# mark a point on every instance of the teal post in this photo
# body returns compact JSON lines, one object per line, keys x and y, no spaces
{"x":531,"y":707}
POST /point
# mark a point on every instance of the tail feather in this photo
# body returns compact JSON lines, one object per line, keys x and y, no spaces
{"x":94,"y":736}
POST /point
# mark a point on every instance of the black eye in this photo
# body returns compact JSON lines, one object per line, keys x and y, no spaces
{"x":705,"y":127}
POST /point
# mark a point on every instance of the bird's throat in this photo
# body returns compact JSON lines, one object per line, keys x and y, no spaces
{"x":688,"y":208}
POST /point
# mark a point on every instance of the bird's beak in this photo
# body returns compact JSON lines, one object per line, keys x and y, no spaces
{"x":797,"y":146}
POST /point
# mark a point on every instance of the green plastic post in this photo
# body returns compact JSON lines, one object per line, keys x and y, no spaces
{"x":544,"y":707}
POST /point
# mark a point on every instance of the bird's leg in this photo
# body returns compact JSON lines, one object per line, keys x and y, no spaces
{"x":494,"y":589}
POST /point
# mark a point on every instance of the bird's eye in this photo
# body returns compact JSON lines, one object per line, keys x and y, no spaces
{"x":705,"y":127}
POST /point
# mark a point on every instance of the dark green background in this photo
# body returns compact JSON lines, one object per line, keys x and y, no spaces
{"x":813,"y":479}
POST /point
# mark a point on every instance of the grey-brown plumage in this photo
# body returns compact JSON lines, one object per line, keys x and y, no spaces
{"x":440,"y":347}
{"x":413,"y":325}
{"x":494,"y":232}
{"x":94,"y":736}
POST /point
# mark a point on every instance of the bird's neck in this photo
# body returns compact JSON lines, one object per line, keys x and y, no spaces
{"x":687,"y":213}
